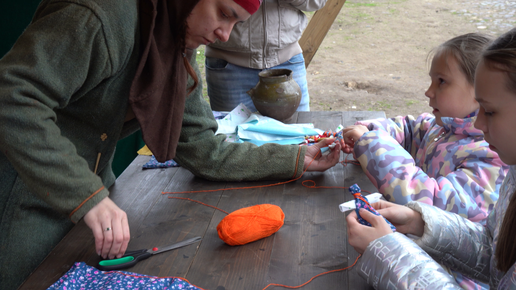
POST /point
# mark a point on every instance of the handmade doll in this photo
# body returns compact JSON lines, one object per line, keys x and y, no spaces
{"x":361,"y":202}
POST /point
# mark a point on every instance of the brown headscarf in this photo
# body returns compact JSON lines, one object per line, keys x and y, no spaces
{"x":158,"y":91}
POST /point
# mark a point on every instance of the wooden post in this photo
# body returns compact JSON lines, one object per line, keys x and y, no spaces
{"x":318,"y":27}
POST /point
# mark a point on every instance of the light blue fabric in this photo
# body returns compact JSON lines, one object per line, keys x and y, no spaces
{"x":266,"y":125}
{"x":292,"y":141}
{"x":228,"y":83}
{"x":240,"y":125}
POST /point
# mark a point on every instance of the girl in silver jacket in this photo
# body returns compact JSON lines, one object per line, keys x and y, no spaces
{"x":483,"y":253}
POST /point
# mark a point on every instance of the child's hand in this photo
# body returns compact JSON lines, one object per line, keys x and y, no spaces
{"x":406,"y":220}
{"x":359,"y":236}
{"x":350,"y":134}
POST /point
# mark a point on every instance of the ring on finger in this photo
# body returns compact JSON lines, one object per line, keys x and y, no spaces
{"x":108,"y":229}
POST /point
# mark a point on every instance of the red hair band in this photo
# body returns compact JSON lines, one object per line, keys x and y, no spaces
{"x":250,"y":5}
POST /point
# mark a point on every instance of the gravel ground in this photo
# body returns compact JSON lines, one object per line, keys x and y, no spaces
{"x":493,"y":17}
{"x":374,"y":56}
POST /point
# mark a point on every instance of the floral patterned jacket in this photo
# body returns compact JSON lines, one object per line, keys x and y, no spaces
{"x":450,"y":167}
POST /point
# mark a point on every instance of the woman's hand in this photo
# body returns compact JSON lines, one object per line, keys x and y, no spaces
{"x":110,"y":228}
{"x":321,"y":163}
{"x":406,"y":220}
{"x":350,"y":135}
{"x":359,"y":235}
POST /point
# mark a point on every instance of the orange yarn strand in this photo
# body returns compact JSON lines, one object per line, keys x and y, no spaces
{"x":185,"y":198}
{"x":324,"y":273}
{"x":346,"y":161}
{"x":247,"y":187}
{"x":311,"y":184}
{"x":271,"y":284}
{"x":305,"y":183}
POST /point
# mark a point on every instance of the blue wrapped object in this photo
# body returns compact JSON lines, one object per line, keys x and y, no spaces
{"x":153,"y":163}
{"x":362,"y":202}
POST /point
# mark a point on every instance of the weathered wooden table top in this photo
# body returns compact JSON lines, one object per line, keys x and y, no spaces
{"x":312,"y":240}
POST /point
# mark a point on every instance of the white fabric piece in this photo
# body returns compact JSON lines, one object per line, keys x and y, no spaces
{"x":349,"y":205}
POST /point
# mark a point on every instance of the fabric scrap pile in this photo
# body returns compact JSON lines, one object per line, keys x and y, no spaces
{"x":240,"y":125}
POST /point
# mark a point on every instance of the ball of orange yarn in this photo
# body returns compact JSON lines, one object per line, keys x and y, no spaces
{"x":250,"y":224}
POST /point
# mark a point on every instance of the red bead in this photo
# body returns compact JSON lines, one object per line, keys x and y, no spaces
{"x":154,"y":249}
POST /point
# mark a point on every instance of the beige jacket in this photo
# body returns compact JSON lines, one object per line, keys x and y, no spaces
{"x":269,"y":37}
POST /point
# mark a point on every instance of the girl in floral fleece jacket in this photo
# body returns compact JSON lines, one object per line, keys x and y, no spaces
{"x":438,"y":159}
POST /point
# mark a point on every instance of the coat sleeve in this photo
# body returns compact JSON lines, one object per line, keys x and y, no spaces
{"x":207,"y":155}
{"x":397,"y":262}
{"x":458,"y":243}
{"x":305,"y":5}
{"x":45,"y":67}
{"x":407,"y":131}
{"x":469,"y":189}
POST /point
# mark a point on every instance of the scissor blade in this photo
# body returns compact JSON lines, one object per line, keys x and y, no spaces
{"x":175,"y":246}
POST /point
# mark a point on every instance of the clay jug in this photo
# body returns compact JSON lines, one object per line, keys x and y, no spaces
{"x":277,"y":95}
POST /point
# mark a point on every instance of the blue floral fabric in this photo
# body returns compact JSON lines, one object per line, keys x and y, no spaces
{"x":153,"y":163}
{"x":82,"y":277}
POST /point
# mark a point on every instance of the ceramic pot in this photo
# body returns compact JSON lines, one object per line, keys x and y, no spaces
{"x":277,"y":95}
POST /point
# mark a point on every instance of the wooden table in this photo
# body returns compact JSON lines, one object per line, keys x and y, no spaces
{"x":312,"y":240}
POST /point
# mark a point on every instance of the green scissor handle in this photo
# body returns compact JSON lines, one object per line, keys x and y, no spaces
{"x":128,"y":260}
{"x":116,"y":261}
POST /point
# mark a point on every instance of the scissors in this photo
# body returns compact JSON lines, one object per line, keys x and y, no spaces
{"x":130,"y":258}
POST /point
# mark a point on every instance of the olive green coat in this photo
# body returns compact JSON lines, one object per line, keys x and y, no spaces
{"x":64,"y":91}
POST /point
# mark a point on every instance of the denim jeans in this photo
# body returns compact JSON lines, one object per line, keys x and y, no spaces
{"x":228,"y":83}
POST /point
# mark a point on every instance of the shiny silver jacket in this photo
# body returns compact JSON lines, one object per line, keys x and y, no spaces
{"x":395,"y":261}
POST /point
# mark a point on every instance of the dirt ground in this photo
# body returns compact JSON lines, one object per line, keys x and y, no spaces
{"x":375,"y":55}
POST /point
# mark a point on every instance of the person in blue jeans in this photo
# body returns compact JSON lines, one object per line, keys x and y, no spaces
{"x":267,"y":40}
